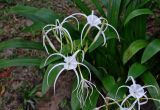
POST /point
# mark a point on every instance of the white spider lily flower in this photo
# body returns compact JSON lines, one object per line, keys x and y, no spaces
{"x":120,"y":106}
{"x":59,"y":32}
{"x":99,"y":23}
{"x":85,"y":90}
{"x":70,"y":63}
{"x":137,"y":91}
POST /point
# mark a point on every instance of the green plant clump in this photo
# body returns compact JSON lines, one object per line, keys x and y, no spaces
{"x":105,"y":53}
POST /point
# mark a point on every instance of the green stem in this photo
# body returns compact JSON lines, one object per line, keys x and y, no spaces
{"x":98,"y":34}
{"x":86,"y":34}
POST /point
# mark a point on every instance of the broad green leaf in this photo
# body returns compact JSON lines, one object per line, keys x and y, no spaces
{"x":51,"y":78}
{"x":37,"y":15}
{"x":135,"y":47}
{"x":91,"y":104}
{"x":50,"y":60}
{"x":19,"y":43}
{"x":136,"y":70}
{"x":75,"y":105}
{"x":20,"y":62}
{"x":152,"y":49}
{"x":98,"y":43}
{"x":82,"y":6}
{"x":149,"y":79}
{"x":136,"y":13}
{"x":35,"y":27}
{"x":108,"y":81}
{"x":95,"y":71}
{"x":110,"y":85}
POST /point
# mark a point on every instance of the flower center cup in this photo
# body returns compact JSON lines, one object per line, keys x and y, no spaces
{"x":136,"y":91}
{"x":70,"y":63}
{"x":93,"y":20}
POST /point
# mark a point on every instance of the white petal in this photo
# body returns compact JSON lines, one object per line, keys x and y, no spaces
{"x":59,"y":64}
{"x":77,"y":80}
{"x":120,"y":88}
{"x":151,"y":86}
{"x":125,"y":99}
{"x":54,"y":54}
{"x":57,"y":78}
{"x":82,"y":33}
{"x":114,"y":30}
{"x":70,"y":38}
{"x":144,"y":102}
{"x":87,"y":69}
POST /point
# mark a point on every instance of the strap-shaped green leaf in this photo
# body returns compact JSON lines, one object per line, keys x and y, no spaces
{"x":137,"y":12}
{"x":135,"y":47}
{"x":19,"y":43}
{"x":113,"y":9}
{"x":37,"y":15}
{"x":152,"y":49}
{"x":98,"y":43}
{"x":75,"y":105}
{"x":94,"y":99}
{"x":149,"y":79}
{"x":107,"y":80}
{"x":99,"y":7}
{"x":90,"y":104}
{"x":80,"y":4}
{"x":51,"y":78}
{"x":136,"y":70}
{"x":20,"y":62}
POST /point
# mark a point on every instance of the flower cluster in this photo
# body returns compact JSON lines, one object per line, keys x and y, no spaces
{"x":84,"y":88}
{"x":137,"y":92}
{"x":60,"y":32}
{"x":74,"y":61}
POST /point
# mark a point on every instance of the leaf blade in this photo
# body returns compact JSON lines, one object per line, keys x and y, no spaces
{"x":20,"y":43}
{"x":152,"y":49}
{"x":136,"y":70}
{"x":136,"y":13}
{"x":135,"y":47}
{"x":20,"y":62}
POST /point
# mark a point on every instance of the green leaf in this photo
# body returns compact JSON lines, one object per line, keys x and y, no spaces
{"x":99,"y":7}
{"x":152,"y":49}
{"x":137,"y":12}
{"x":110,"y":85}
{"x":136,"y":70}
{"x":75,"y":105}
{"x":51,"y":78}
{"x":94,"y":99}
{"x":90,"y":102}
{"x":35,"y":27}
{"x":149,"y":79}
{"x":49,"y":61}
{"x":80,"y":4}
{"x":107,"y":80}
{"x":95,"y":71}
{"x":96,"y":44}
{"x":37,"y":15}
{"x":20,"y":62}
{"x":19,"y":43}
{"x":113,"y":9}
{"x":135,"y":47}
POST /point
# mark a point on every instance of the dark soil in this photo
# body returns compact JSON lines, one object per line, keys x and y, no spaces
{"x":15,"y":82}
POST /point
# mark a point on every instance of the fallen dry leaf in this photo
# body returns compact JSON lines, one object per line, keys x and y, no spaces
{"x":2,"y":90}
